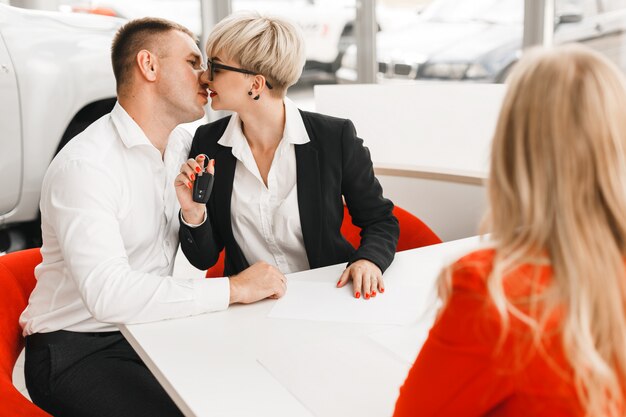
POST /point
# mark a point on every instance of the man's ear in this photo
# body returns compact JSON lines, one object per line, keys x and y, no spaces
{"x":148,"y":65}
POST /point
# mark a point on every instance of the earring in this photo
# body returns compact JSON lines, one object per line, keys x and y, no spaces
{"x":250,"y":92}
{"x":258,"y":96}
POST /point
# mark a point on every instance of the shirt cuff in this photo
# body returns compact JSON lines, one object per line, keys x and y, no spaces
{"x":193,"y":226}
{"x":212,"y":294}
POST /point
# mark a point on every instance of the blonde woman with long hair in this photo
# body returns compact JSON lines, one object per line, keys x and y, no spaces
{"x":536,"y":324}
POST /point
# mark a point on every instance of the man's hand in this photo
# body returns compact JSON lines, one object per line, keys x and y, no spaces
{"x":193,"y":213}
{"x":366,"y":277}
{"x":257,"y":282}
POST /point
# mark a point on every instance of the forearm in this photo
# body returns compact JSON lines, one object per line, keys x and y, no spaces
{"x":199,"y":244}
{"x":369,"y":209}
{"x":113,"y":293}
{"x":378,"y":243}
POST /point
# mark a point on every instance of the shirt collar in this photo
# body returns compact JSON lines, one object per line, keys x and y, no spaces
{"x":129,"y":131}
{"x":294,"y":132}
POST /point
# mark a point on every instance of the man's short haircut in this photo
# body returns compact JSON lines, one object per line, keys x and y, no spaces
{"x":134,"y":36}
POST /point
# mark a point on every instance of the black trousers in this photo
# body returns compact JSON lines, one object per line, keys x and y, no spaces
{"x":92,"y":374}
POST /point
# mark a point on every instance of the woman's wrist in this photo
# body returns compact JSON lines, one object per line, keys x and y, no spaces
{"x":193,"y":216}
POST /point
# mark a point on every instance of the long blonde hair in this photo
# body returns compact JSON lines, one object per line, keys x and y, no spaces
{"x":557,"y":188}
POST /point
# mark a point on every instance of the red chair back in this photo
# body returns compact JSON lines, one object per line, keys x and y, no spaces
{"x":17,"y":280}
{"x":217,"y":270}
{"x":413,"y":234}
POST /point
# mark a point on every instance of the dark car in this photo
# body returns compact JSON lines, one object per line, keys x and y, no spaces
{"x":480,"y":40}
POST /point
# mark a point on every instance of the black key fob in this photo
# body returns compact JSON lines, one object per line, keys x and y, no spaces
{"x":203,"y":184}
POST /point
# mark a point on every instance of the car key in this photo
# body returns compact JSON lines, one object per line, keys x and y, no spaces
{"x":203,"y":184}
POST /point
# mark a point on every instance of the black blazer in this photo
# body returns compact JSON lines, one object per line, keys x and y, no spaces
{"x":333,"y":164}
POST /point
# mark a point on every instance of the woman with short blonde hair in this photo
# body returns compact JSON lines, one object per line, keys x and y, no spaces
{"x":281,"y":174}
{"x":268,"y":45}
{"x":536,"y":325}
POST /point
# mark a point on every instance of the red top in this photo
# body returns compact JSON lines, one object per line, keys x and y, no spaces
{"x":461,"y":372}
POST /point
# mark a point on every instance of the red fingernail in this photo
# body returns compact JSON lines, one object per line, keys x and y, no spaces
{"x":373,"y":293}
{"x":338,"y":282}
{"x":357,"y":295}
{"x":189,"y":185}
{"x":382,"y":290}
{"x":201,"y":156}
{"x":198,"y":169}
{"x":367,"y":296}
{"x":192,"y":176}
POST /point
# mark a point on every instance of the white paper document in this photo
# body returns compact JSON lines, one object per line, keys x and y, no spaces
{"x":340,"y":377}
{"x":406,"y":342}
{"x":322,"y":301}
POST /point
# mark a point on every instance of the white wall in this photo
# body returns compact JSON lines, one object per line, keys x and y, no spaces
{"x":429,"y":142}
{"x":452,"y":210}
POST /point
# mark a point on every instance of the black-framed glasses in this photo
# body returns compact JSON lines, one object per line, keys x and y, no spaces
{"x":212,"y":66}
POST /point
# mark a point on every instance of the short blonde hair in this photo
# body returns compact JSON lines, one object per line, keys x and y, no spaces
{"x":270,"y":46}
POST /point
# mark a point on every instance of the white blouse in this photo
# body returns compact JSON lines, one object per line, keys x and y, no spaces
{"x":266,"y":220}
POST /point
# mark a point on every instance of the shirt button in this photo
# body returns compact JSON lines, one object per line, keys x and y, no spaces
{"x":190,"y":240}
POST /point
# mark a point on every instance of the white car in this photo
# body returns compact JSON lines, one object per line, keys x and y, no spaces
{"x":55,"y":79}
{"x":327,"y":25}
{"x":327,"y":28}
{"x":185,"y":12}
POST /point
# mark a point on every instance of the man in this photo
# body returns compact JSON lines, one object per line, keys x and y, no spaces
{"x":110,"y":222}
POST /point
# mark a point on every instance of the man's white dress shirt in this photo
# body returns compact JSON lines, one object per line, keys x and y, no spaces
{"x":110,"y":234}
{"x":266,"y":220}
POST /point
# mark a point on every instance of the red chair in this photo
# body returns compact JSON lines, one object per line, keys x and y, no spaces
{"x":17,"y":280}
{"x":413,"y":234}
{"x":217,"y":270}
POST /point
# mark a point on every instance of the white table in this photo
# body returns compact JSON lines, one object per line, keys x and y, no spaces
{"x":239,"y":362}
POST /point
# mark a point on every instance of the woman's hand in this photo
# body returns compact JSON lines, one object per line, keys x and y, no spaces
{"x":367,"y":279}
{"x":193,"y":213}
